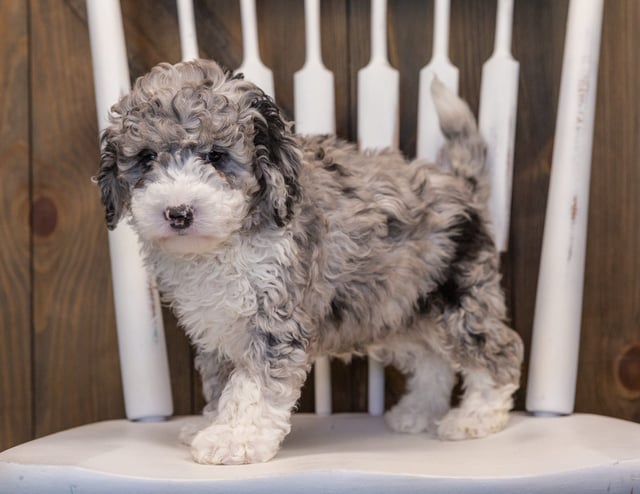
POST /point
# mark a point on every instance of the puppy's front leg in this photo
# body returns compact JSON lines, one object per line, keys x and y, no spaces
{"x":214,"y":370}
{"x":255,"y":406}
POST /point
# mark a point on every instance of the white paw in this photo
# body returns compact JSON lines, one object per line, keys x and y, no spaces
{"x":222,"y":444}
{"x":402,"y":419}
{"x":461,"y":424}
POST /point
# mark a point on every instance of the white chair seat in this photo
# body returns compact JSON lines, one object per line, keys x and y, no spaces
{"x":346,"y":453}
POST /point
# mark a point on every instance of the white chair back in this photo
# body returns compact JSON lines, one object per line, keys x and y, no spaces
{"x":557,"y":320}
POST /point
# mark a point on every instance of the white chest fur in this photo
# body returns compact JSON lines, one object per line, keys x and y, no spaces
{"x":218,"y":296}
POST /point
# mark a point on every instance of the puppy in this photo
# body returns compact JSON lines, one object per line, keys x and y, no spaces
{"x":274,"y":248}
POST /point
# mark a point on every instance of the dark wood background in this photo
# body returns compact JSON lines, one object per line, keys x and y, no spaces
{"x":58,"y":351}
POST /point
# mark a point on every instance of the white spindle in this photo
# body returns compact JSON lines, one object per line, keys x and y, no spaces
{"x":378,"y":107}
{"x":314,"y":107}
{"x":378,"y":89}
{"x":556,"y":328}
{"x":252,"y":67}
{"x":314,"y":93}
{"x":497,"y":120}
{"x":187,"y":27}
{"x":430,"y":138}
{"x":143,"y":357}
{"x":322,"y":386}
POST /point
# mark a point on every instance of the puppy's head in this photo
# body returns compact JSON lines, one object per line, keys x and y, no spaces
{"x":195,"y":155}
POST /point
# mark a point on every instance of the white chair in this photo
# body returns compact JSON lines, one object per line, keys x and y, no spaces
{"x":548,"y":450}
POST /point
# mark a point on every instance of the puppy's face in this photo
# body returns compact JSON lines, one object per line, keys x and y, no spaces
{"x":191,"y":200}
{"x":195,"y":155}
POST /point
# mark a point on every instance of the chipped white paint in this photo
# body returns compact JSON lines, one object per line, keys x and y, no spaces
{"x":497,"y":120}
{"x":556,"y":328}
{"x":187,"y":27}
{"x":314,"y":108}
{"x":143,"y":356}
{"x":430,"y":138}
{"x":378,"y":114}
{"x":252,"y":67}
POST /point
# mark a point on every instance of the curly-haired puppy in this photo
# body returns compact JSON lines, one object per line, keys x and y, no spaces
{"x":274,"y":248}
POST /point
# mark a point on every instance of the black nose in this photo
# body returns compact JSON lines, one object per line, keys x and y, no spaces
{"x":179,"y":217}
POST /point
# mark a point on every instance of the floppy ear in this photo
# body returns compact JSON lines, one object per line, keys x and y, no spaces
{"x":113,"y":189}
{"x":276,"y":161}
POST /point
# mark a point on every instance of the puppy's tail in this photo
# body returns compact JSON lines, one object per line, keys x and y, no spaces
{"x":464,"y":153}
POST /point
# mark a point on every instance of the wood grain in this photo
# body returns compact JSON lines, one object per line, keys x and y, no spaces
{"x":16,"y":393}
{"x":610,"y":349}
{"x":76,"y":370}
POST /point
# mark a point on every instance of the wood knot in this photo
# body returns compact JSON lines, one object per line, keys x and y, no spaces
{"x":44,"y":217}
{"x":628,"y":371}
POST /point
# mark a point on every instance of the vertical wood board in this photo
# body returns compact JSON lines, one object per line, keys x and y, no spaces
{"x":76,"y":369}
{"x":16,"y":394}
{"x":609,"y":366}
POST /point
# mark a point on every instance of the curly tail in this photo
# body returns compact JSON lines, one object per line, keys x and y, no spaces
{"x":464,"y":152}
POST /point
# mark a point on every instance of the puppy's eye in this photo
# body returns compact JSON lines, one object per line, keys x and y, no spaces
{"x":215,"y":157}
{"x":146,"y":156}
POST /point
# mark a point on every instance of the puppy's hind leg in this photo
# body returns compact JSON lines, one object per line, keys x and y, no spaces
{"x":488,"y":353}
{"x":468,"y":314}
{"x":484,"y":408}
{"x":430,"y":379}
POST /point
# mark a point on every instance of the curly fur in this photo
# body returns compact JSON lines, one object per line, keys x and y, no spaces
{"x":274,"y":248}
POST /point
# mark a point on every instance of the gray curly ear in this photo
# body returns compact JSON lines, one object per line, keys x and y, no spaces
{"x":114,"y":190}
{"x":277,"y":160}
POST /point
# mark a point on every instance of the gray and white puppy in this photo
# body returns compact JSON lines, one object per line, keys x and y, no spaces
{"x":274,"y":248}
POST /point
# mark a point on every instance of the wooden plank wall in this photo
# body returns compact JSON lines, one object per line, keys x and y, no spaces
{"x":58,"y":349}
{"x":16,"y":393}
